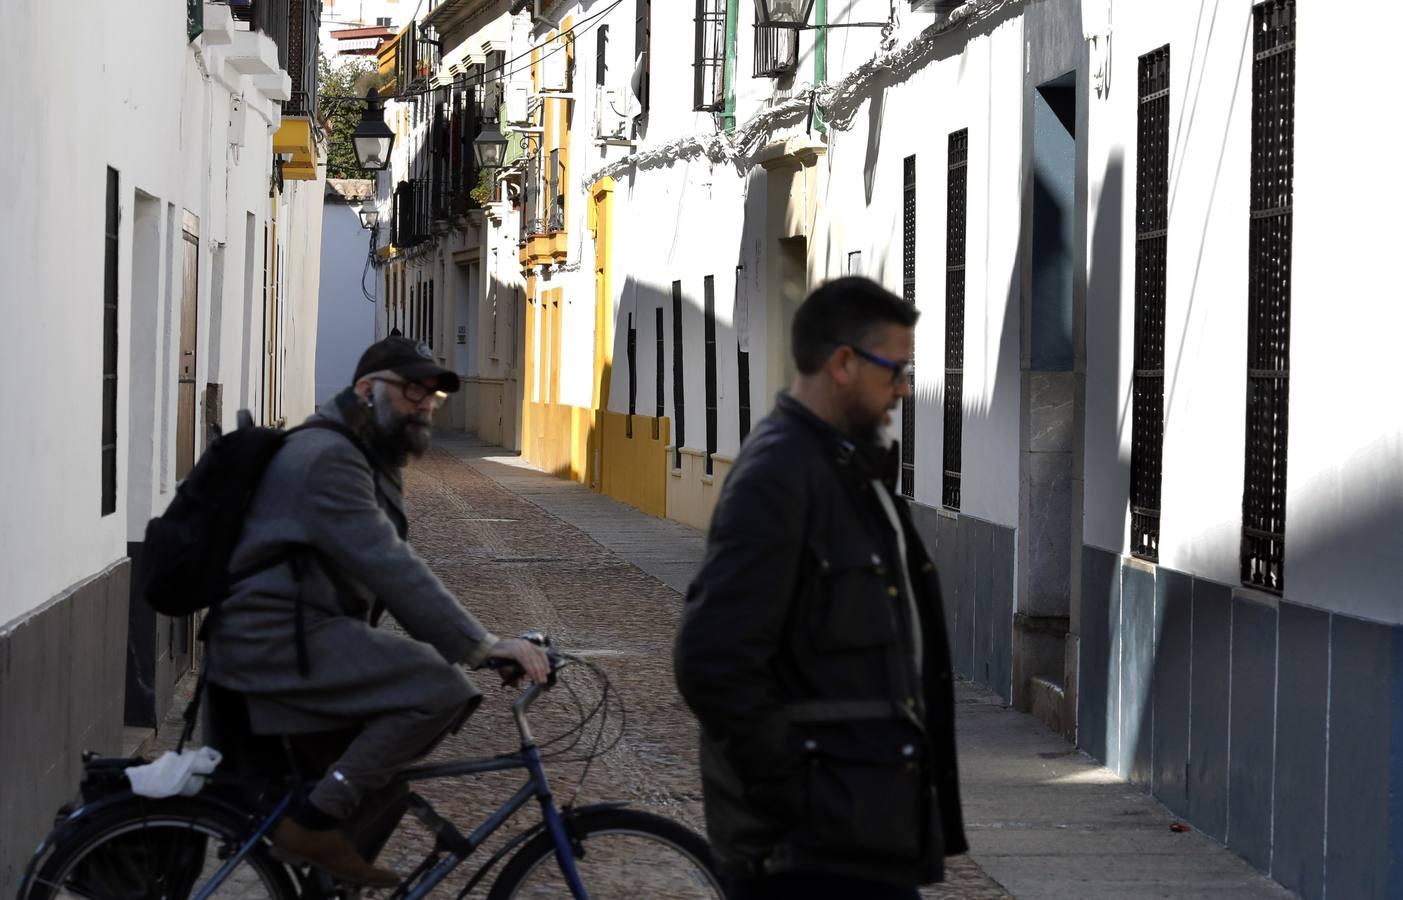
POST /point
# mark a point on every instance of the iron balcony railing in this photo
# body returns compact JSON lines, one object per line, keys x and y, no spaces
{"x":409,"y":213}
{"x":294,"y":26}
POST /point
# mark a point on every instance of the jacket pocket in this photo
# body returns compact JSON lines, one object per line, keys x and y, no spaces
{"x":853,"y":606}
{"x":864,"y":790}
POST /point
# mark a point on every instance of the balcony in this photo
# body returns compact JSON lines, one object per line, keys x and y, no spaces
{"x":293,"y":26}
{"x":410,"y":214}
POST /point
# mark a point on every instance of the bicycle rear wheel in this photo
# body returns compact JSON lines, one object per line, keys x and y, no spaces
{"x":622,"y":854}
{"x":150,"y":849}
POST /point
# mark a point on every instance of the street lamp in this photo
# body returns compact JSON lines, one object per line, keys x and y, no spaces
{"x":372,"y":137}
{"x":369,"y":215}
{"x":792,"y":14}
{"x":490,"y":147}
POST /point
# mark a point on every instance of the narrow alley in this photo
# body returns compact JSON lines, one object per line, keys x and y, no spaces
{"x":527,"y":551}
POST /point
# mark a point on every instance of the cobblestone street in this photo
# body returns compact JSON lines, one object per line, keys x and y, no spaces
{"x":517,"y":567}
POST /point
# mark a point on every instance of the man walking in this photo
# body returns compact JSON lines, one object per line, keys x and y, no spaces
{"x":322,"y":552}
{"x":812,"y":648}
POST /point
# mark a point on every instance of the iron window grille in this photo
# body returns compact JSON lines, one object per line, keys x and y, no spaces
{"x":1269,"y":294}
{"x":659,"y":357}
{"x":709,"y":332}
{"x":743,"y":389}
{"x":1151,"y":253}
{"x":908,"y":293}
{"x":109,"y":345}
{"x":678,"y":394}
{"x":557,"y":192}
{"x":532,"y":221}
{"x":776,"y":51}
{"x":642,"y":44}
{"x":632,"y":373}
{"x":439,"y":150}
{"x":709,"y":65}
{"x":957,"y":183}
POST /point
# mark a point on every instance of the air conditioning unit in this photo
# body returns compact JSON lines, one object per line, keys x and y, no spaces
{"x":517,"y":100}
{"x":555,"y":65}
{"x":614,"y":111}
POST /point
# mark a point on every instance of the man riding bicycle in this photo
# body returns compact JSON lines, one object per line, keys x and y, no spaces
{"x":323,"y":552}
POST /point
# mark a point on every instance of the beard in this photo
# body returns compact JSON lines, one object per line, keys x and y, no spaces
{"x":399,"y":436}
{"x":867,"y":429}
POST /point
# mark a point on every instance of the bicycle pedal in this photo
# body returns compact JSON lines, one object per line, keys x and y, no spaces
{"x":447,"y":835}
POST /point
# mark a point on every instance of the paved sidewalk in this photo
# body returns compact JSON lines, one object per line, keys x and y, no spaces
{"x":1044,"y":820}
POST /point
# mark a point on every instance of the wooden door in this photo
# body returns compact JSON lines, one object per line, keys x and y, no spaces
{"x":189,"y":323}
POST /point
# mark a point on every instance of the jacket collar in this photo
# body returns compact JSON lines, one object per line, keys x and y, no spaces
{"x":872,"y":461}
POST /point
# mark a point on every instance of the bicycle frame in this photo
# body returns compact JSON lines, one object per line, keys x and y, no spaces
{"x":537,"y":786}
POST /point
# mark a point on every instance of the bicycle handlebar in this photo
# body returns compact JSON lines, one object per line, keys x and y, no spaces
{"x":532,"y":693}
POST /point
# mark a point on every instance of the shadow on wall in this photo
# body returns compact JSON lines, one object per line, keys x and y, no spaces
{"x":1236,"y":711}
{"x":976,"y":557}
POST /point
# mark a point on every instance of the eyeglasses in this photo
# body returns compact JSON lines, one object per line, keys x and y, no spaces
{"x":415,"y":392}
{"x":900,"y":371}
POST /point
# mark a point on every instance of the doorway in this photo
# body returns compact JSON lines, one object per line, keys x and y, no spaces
{"x":1048,"y":399}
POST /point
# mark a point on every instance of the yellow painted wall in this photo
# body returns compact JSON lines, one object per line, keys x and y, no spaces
{"x":559,"y":440}
{"x":635,"y":468}
{"x":691,"y":493}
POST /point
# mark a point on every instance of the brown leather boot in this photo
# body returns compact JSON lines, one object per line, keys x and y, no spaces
{"x":332,"y":852}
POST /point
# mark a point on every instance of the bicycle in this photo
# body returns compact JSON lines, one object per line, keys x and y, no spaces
{"x":119,"y":846}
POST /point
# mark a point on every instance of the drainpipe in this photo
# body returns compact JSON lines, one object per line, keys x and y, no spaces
{"x":732,"y":30}
{"x":820,"y":56}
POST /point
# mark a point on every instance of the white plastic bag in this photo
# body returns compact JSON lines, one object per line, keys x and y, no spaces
{"x":174,"y":773}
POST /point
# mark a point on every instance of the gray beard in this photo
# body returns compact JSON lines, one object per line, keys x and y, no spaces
{"x":394,"y":436}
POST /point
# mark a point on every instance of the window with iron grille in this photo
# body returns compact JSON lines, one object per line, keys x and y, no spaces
{"x":709,"y":330}
{"x":908,"y":293}
{"x":438,"y":159}
{"x":429,"y":322}
{"x":1269,"y":293}
{"x":678,"y":395}
{"x":658,"y":381}
{"x":776,"y":50}
{"x":743,"y":377}
{"x":1151,"y":250}
{"x":957,"y":183}
{"x":632,"y":373}
{"x":109,"y":347}
{"x":601,"y":56}
{"x":642,"y":48}
{"x":557,"y":191}
{"x":709,"y":65}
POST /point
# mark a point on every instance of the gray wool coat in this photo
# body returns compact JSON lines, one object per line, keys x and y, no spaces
{"x":320,"y":492}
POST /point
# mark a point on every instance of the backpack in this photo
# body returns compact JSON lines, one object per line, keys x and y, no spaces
{"x":184,"y":564}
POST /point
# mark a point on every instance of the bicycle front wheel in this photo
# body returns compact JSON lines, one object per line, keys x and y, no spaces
{"x":621,"y":854}
{"x":157,"y":849}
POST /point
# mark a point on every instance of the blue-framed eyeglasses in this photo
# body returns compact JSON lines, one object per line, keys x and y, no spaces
{"x":900,"y":371}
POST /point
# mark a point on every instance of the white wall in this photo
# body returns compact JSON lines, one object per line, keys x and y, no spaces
{"x":345,"y":319}
{"x":1345,"y":454}
{"x":163,"y":123}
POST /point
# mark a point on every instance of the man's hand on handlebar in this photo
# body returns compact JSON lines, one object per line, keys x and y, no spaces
{"x":514,"y":657}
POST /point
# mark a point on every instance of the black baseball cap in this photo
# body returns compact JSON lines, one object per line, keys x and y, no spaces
{"x":411,"y":359}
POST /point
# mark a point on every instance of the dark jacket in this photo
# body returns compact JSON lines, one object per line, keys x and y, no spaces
{"x":822,"y":747}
